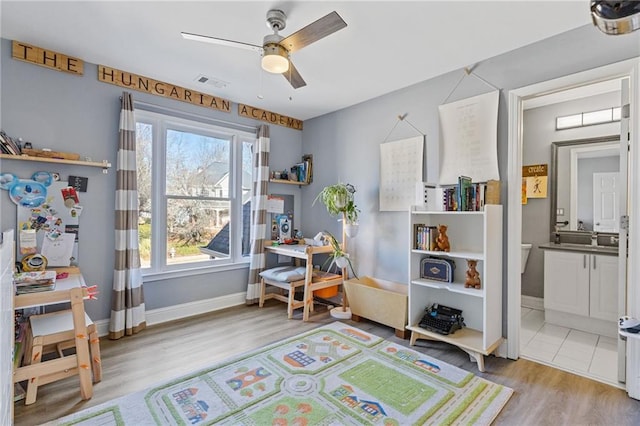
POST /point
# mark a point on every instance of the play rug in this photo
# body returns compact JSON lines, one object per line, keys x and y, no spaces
{"x":333,"y":375}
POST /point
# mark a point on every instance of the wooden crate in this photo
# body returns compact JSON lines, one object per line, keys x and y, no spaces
{"x":381,"y":301}
{"x":51,"y":154}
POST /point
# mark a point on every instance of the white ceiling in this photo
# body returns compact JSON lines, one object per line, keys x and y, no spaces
{"x":386,"y":45}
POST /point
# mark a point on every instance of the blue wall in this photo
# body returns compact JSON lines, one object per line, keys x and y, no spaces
{"x":72,"y":113}
{"x":345,"y":144}
{"x":80,"y":114}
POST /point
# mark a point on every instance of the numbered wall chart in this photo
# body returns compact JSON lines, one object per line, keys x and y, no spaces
{"x":469,"y":139}
{"x":401,"y":165}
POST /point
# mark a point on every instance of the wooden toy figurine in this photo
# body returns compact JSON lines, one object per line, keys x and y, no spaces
{"x":473,"y":276}
{"x":442,"y":242}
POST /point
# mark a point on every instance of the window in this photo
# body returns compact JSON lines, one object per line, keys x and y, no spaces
{"x":582,"y":119}
{"x":194,"y":193}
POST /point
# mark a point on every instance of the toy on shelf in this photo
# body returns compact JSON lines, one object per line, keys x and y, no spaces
{"x":473,"y":276}
{"x":442,"y":242}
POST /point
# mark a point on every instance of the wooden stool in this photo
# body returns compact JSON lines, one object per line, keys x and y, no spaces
{"x":54,"y":333}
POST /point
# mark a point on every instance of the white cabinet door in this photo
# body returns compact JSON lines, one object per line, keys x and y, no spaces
{"x":566,"y":282}
{"x":604,"y":287}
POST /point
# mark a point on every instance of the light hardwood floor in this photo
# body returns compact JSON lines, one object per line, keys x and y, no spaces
{"x":543,"y":395}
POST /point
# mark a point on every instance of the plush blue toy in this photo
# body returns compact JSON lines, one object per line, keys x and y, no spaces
{"x":28,"y":193}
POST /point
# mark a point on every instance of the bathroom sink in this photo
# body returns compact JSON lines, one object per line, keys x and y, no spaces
{"x":581,"y":247}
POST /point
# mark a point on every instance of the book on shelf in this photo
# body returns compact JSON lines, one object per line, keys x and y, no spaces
{"x":33,"y":282}
{"x":463,"y":193}
{"x":8,"y":145}
{"x":425,"y":237}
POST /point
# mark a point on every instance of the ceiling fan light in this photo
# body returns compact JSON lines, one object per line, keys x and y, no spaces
{"x":275,"y":59}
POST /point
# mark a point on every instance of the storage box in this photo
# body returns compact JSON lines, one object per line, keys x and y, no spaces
{"x":437,"y":269}
{"x":381,"y":301}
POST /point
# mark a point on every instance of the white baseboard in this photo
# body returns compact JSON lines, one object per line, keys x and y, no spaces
{"x":171,"y":313}
{"x":532,"y":302}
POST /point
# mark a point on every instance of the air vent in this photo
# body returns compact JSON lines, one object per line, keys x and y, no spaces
{"x":211,"y":81}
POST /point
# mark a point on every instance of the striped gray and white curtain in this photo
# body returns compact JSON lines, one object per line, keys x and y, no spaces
{"x":127,"y":297}
{"x":258,"y":212}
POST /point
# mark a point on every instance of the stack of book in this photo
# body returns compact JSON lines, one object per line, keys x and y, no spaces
{"x":33,"y":282}
{"x":8,"y":145}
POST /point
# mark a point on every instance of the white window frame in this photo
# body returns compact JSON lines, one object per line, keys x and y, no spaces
{"x":160,"y":122}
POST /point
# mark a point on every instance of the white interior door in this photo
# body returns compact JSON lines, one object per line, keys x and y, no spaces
{"x":605,"y":202}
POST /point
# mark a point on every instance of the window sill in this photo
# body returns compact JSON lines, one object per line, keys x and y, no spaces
{"x":180,"y":273}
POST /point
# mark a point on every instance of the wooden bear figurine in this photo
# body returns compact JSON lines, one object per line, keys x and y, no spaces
{"x":473,"y":276}
{"x":442,"y":242}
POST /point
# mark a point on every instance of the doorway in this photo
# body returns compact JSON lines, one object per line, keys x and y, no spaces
{"x":623,"y":70}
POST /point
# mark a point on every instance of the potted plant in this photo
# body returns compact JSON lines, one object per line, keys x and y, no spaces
{"x":339,"y":200}
{"x":338,"y":256}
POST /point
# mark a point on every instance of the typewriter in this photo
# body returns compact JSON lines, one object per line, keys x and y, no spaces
{"x":442,"y":319}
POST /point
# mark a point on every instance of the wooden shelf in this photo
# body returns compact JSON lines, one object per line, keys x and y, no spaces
{"x":465,"y":338}
{"x":288,"y":182}
{"x":104,"y":165}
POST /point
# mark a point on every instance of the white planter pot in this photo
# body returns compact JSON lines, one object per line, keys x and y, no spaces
{"x":342,"y":262}
{"x":351,"y":229}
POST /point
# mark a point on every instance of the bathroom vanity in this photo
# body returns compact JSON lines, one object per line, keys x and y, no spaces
{"x":581,"y":287}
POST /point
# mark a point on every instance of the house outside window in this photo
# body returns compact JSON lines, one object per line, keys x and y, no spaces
{"x":194,"y":193}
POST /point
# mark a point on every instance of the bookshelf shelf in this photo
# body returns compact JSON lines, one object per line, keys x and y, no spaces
{"x":104,"y":165}
{"x":454,"y":255}
{"x":473,"y":235}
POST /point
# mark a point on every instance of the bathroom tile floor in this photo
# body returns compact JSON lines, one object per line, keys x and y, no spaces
{"x":586,"y":354}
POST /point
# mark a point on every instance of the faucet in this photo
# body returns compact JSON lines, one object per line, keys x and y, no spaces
{"x":594,"y":238}
{"x":615,"y":240}
{"x":556,"y":235}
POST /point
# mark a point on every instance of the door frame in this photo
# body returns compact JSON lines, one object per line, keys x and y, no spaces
{"x":625,"y":69}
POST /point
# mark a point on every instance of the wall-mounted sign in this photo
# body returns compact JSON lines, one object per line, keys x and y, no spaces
{"x":46,"y":58}
{"x":269,"y":117}
{"x":159,"y":88}
{"x":536,"y":180}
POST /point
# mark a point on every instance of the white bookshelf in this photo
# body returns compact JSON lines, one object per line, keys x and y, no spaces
{"x":472,"y":235}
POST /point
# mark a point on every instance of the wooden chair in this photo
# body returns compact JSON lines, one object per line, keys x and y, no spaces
{"x":287,"y":286}
{"x":54,"y":332}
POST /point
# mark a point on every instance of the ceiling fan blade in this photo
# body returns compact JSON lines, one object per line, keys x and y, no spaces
{"x":313,"y":32}
{"x":294,"y":77}
{"x":221,"y":41}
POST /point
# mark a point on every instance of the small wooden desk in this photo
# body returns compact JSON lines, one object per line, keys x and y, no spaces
{"x":306,"y":253}
{"x":70,"y":289}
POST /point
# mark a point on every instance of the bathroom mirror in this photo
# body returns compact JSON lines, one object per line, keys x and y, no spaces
{"x":583,"y":170}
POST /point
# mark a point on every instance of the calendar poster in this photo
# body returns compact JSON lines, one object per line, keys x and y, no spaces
{"x":401,"y":165}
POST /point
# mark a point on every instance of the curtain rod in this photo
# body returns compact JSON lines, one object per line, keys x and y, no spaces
{"x":159,"y":108}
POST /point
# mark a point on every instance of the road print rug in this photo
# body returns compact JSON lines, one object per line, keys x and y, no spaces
{"x":333,"y":375}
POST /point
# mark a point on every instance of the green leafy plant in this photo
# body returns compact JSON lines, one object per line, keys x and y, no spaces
{"x":339,"y":199}
{"x":337,"y":253}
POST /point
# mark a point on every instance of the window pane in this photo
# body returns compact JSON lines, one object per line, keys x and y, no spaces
{"x":144,"y":138}
{"x":595,"y":117}
{"x":193,"y":225}
{"x":617,"y":113}
{"x":246,"y":196}
{"x":569,"y":121}
{"x":197,"y":165}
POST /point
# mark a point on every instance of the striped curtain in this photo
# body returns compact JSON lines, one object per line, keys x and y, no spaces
{"x":258,"y":212}
{"x":127,"y":297}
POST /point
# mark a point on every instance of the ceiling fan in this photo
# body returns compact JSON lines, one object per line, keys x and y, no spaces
{"x":275,"y":49}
